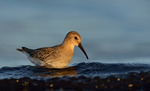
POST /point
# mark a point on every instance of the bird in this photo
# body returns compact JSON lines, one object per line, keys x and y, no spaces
{"x":58,"y":56}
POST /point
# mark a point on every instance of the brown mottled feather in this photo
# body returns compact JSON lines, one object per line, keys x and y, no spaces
{"x":41,"y":53}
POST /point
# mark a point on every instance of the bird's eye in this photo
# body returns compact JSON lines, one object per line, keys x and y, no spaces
{"x":76,"y":38}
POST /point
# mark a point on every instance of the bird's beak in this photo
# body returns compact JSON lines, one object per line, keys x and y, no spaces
{"x":80,"y":46}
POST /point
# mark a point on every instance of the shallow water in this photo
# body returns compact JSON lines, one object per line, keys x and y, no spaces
{"x":92,"y":70}
{"x":115,"y":35}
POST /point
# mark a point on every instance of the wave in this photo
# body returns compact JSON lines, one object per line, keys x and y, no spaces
{"x":92,"y":69}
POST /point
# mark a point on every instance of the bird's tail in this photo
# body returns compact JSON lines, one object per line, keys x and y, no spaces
{"x":20,"y":50}
{"x":25,"y":50}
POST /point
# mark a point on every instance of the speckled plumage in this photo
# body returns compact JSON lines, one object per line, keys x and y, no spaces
{"x":55,"y":57}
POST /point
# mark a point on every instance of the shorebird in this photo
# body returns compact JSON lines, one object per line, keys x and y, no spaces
{"x":58,"y":56}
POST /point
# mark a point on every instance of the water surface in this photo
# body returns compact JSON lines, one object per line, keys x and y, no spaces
{"x":91,"y":70}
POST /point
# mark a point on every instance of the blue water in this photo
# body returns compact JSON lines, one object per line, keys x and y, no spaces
{"x":115,"y":34}
{"x":92,"y":70}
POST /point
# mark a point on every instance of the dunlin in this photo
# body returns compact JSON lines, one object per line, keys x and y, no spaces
{"x":58,"y":56}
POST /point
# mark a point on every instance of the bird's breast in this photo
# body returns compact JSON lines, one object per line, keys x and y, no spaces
{"x":60,"y":59}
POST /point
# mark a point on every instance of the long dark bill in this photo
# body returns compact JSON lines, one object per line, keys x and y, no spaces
{"x":80,"y":46}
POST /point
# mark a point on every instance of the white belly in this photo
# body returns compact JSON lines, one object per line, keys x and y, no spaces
{"x":49,"y":63}
{"x":56,"y":64}
{"x":36,"y":62}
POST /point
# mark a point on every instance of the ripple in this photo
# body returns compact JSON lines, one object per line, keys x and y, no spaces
{"x":92,"y":69}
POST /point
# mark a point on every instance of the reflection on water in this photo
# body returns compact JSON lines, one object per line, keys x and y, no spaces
{"x":55,"y":72}
{"x":82,"y":69}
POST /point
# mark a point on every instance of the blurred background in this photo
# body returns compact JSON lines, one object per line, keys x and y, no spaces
{"x":112,"y":31}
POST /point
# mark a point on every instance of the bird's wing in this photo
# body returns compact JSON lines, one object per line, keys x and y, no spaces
{"x":40,"y":54}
